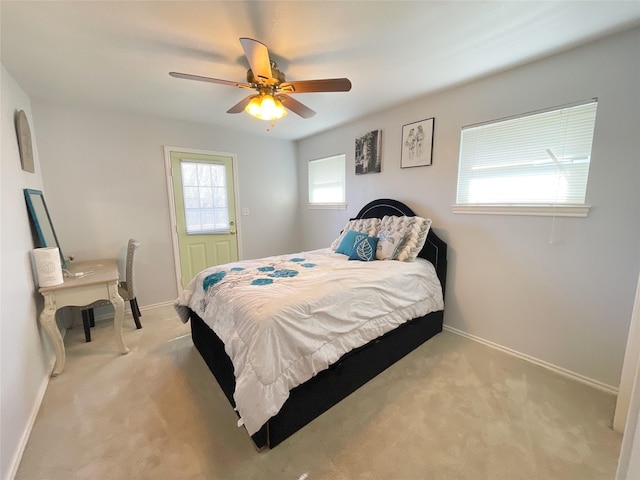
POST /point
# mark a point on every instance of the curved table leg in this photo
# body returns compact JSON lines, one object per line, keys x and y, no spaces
{"x":48,"y":321}
{"x":118,"y":319}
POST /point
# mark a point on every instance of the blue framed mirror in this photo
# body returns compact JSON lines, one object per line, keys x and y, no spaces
{"x":44,"y":234}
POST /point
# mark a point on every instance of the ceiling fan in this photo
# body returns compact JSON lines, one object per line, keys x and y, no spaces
{"x":274,"y":92}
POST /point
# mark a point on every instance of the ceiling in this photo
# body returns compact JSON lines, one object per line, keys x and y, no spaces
{"x":117,"y":54}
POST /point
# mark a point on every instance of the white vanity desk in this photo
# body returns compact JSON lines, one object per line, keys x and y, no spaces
{"x":100,"y":283}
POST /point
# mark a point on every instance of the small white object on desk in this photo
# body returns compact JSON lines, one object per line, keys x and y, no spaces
{"x":48,"y":266}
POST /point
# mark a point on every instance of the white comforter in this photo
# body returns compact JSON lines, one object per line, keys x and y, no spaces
{"x":285,"y":318}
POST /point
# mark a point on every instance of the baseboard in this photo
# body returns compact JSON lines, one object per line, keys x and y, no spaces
{"x":157,"y":305}
{"x":107,"y":314}
{"x":549,"y":366}
{"x":22,"y":444}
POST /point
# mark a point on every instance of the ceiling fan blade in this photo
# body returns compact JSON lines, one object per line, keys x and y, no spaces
{"x":326,"y":85}
{"x":239,"y":107}
{"x":258,"y":56}
{"x":295,"y":106}
{"x":188,"y":76}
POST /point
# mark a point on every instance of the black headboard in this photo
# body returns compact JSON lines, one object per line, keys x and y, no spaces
{"x":434,"y":250}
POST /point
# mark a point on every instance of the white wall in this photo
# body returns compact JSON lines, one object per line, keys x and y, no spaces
{"x":25,"y":358}
{"x":105,"y":179}
{"x":567,"y":303}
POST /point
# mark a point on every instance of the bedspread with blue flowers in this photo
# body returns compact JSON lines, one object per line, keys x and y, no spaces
{"x":256,"y":275}
{"x":285,"y":318}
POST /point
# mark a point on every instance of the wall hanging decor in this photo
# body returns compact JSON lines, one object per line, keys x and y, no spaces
{"x":369,"y":153}
{"x":417,"y":143}
{"x":24,"y":141}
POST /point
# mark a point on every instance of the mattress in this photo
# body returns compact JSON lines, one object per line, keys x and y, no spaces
{"x":285,"y":318}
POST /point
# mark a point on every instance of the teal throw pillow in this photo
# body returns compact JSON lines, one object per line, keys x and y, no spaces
{"x":349,"y":239}
{"x":364,"y":249}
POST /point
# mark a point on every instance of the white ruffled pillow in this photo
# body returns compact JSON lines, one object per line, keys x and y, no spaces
{"x":402,"y":238}
{"x":369,"y":226}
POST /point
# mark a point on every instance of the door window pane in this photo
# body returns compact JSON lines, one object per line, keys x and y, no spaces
{"x":205,"y":197}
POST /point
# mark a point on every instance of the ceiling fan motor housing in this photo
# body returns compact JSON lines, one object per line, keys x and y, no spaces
{"x":277,"y":77}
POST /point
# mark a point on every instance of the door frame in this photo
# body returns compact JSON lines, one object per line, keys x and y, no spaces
{"x":172,"y":204}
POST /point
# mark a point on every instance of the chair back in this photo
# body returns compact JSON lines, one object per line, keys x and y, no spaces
{"x":131,"y":249}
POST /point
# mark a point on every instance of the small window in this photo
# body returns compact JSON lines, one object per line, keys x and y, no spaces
{"x":327,"y":182}
{"x":534,"y":160}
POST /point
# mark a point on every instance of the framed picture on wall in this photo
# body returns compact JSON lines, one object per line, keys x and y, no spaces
{"x":368,"y":156}
{"x":417,"y":144}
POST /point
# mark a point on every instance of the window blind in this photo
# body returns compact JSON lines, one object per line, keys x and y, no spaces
{"x":327,"y":180}
{"x":537,"y":159}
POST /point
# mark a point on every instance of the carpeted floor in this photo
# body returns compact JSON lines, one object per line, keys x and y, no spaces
{"x":452,"y":409}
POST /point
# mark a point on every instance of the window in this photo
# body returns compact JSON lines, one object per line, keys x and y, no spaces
{"x":327,"y":182}
{"x":530,"y":164}
{"x":204,"y":188}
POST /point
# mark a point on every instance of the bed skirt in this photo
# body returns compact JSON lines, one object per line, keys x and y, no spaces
{"x":310,"y":399}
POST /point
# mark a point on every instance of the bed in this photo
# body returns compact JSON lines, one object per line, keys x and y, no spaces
{"x":328,"y":364}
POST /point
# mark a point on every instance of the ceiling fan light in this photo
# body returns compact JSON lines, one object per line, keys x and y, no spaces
{"x":279,"y":111}
{"x":272,"y":109}
{"x":266,"y":107}
{"x":253,"y":108}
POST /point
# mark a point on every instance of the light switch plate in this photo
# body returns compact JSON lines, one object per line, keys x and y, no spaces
{"x":245,"y":211}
